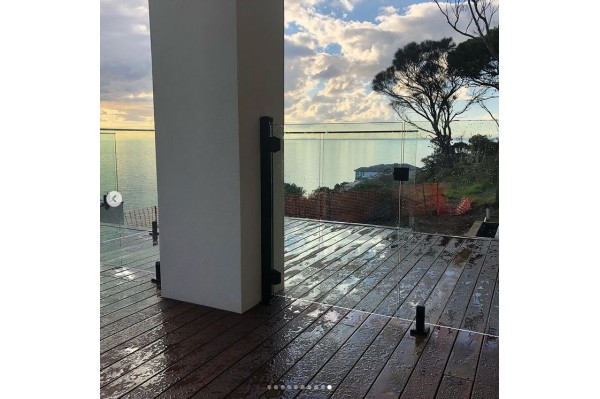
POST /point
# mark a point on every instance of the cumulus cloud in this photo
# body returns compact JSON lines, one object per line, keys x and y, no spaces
{"x":367,"y":47}
{"x":329,"y":61}
{"x":347,"y":5}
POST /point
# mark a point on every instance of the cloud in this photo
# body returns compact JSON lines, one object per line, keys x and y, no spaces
{"x":125,"y":60}
{"x":348,"y":5}
{"x":329,"y":62}
{"x":330,"y":72}
{"x":367,"y":47}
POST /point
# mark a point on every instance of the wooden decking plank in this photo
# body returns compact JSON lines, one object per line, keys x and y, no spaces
{"x":293,"y":345}
{"x":305,"y":242}
{"x":345,"y":278}
{"x":141,"y":342}
{"x":408,"y":274}
{"x":350,"y":266}
{"x":165,"y":352}
{"x":146,"y":263}
{"x":486,"y":385}
{"x":141,"y":262}
{"x":205,"y":363}
{"x":478,"y":308}
{"x":302,"y":359}
{"x":463,"y":359}
{"x":397,"y":370}
{"x":127,"y":285}
{"x":359,"y":379}
{"x":126,"y":373}
{"x":303,"y":236}
{"x":288,"y":220}
{"x":129,"y":254}
{"x":125,"y":251}
{"x":320,"y":234}
{"x":124,"y":240}
{"x":292,"y":237}
{"x":111,"y":326}
{"x":427,"y":373}
{"x":299,"y":228}
{"x":439,"y":255}
{"x":315,"y":247}
{"x":312,"y":232}
{"x":359,"y":252}
{"x":295,"y":225}
{"x":133,"y":257}
{"x":218,"y":376}
{"x":108,"y":277}
{"x":143,"y":326}
{"x":319,"y":242}
{"x":134,"y":277}
{"x":458,"y":301}
{"x":345,"y":249}
{"x":493,"y":326}
{"x":336,"y":369}
{"x":418,"y":246}
{"x":384,"y":295}
{"x":454,"y":388}
{"x":114,"y":247}
{"x":328,"y":248}
{"x":133,"y":290}
{"x":111,"y":283}
{"x":440,"y":294}
{"x":121,"y":273}
{"x":116,"y":234}
{"x":130,"y":303}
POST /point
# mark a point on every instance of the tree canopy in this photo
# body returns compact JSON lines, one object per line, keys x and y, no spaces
{"x":474,"y":19}
{"x":419,"y":81}
{"x":472,"y":60}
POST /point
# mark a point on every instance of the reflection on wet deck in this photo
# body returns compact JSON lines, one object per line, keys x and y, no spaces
{"x":340,"y":329}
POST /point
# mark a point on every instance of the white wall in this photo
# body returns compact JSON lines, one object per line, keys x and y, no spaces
{"x":212,"y":82}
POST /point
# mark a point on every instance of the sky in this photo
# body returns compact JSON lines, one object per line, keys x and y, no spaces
{"x":333,"y":49}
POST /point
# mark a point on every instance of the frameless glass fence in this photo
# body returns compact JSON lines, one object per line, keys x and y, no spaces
{"x":456,"y":190}
{"x":128,"y":168}
{"x":345,"y":230}
{"x":365,"y":204}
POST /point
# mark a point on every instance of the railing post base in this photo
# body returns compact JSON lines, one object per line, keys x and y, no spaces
{"x":420,"y":329}
{"x":157,"y":279}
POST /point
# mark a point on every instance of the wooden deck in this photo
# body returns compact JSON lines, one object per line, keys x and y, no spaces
{"x":340,"y":329}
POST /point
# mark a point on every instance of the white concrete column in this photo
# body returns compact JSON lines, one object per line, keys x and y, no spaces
{"x":217,"y":67}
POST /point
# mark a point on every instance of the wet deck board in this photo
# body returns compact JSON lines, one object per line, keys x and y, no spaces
{"x":155,"y":347}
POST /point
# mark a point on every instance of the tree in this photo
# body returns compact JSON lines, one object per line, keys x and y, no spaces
{"x":482,"y":146}
{"x":472,"y":60}
{"x":479,"y":18}
{"x":420,"y":81}
{"x":292,"y":189}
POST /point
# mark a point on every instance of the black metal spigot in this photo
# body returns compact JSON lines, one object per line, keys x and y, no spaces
{"x":157,"y":279}
{"x":420,"y":329}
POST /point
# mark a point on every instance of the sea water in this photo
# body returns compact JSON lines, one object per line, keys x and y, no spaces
{"x":128,"y":160}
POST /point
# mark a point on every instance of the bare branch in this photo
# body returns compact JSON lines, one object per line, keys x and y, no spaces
{"x":482,"y":105}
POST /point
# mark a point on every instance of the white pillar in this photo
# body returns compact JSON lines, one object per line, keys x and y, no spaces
{"x":217,"y":67}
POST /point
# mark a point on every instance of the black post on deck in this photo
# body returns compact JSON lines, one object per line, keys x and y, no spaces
{"x":268,"y":145}
{"x":420,"y":329}
{"x":157,"y":269}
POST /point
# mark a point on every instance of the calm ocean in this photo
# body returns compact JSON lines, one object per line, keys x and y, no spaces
{"x":128,"y":163}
